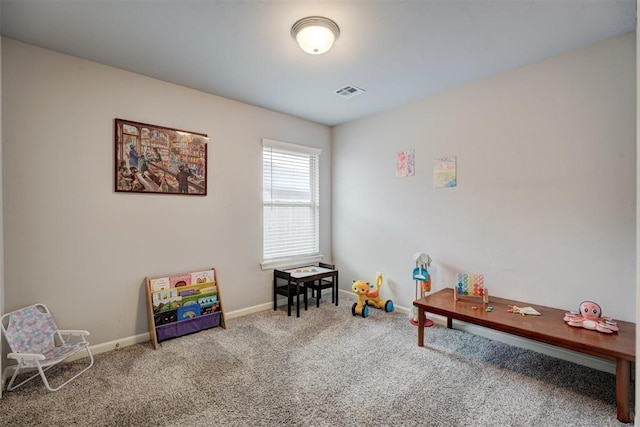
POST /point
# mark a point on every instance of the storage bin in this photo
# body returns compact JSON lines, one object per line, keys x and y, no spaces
{"x":184,"y":327}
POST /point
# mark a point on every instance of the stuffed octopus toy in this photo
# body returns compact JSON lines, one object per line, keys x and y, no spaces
{"x":590,"y":317}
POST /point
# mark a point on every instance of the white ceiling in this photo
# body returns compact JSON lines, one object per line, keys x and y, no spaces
{"x":398,"y":51}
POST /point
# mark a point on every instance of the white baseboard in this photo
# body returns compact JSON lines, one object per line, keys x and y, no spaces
{"x":251,"y":310}
{"x":118,"y":344}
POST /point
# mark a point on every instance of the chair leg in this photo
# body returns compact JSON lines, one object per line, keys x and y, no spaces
{"x":46,"y":383}
{"x":275,"y":294}
{"x":41,"y":372}
{"x":15,"y":374}
{"x":306,"y":299}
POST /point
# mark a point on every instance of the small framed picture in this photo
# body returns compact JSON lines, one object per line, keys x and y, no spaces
{"x":156,"y":159}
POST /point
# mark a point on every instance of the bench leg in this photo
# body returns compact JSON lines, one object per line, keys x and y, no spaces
{"x":420,"y":327}
{"x":623,"y":389}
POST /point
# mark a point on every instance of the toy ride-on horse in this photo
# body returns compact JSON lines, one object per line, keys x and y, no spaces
{"x":368,"y":296}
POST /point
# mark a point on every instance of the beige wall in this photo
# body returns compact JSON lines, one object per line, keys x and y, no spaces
{"x":545,"y":205}
{"x":84,"y":250}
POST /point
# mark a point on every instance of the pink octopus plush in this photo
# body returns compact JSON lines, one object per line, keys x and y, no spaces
{"x":590,"y":317}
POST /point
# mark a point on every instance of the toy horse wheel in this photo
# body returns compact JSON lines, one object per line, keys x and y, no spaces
{"x":365,"y":311}
{"x":388,"y":306}
{"x":353,"y":308}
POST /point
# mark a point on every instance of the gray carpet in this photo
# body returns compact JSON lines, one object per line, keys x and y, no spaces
{"x":326,"y":368}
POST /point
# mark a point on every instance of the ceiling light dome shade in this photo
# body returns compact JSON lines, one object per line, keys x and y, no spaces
{"x":315,"y":34}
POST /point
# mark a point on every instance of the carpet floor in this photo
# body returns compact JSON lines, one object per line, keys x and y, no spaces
{"x":326,"y":368}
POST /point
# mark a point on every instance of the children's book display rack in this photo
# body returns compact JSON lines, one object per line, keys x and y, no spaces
{"x":181,"y":304}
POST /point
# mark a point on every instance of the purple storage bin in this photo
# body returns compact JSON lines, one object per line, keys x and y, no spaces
{"x":210,"y":320}
{"x":183,"y":327}
{"x":165,"y":332}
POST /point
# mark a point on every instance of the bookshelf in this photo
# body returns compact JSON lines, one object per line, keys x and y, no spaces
{"x":182,"y":304}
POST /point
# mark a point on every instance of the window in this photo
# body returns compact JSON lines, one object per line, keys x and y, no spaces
{"x":291,"y":206}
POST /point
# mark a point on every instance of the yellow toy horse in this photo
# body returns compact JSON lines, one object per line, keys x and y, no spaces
{"x":368,"y":296}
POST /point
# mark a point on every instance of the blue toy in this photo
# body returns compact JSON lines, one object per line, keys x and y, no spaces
{"x":423,"y":284}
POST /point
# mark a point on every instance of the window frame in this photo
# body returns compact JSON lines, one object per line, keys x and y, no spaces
{"x":290,"y":261}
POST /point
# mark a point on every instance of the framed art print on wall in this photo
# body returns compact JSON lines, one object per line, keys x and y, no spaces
{"x":156,"y":159}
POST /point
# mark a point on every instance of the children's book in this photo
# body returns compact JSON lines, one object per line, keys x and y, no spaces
{"x":208,"y":300}
{"x":159,"y":283}
{"x":164,"y":294}
{"x":186,"y":292}
{"x":165,"y":317}
{"x":186,"y":303}
{"x":180,"y":280}
{"x":167,"y":304}
{"x":191,"y":299}
{"x":189,"y":312}
{"x":206,"y":310}
{"x":209,"y":290}
{"x":206,"y":276}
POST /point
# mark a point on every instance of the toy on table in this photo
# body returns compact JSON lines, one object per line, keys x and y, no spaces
{"x":523,"y":310}
{"x":369,"y":296}
{"x":423,"y":285}
{"x":471,"y":285}
{"x":590,"y":317}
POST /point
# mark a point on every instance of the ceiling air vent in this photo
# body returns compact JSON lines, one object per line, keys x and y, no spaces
{"x":349,"y":91}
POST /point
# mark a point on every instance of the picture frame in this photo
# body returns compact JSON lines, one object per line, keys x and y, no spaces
{"x":158,"y":159}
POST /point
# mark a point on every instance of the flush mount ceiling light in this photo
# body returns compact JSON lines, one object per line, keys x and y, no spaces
{"x":315,"y":34}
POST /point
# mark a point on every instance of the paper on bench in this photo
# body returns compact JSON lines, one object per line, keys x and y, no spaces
{"x":526,"y":310}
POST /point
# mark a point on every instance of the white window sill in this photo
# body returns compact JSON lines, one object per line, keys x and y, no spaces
{"x":286,"y":263}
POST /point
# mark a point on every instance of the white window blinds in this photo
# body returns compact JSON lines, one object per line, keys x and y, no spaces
{"x":290,"y":200}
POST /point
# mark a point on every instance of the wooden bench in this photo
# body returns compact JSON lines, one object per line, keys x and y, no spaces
{"x":548,"y":328}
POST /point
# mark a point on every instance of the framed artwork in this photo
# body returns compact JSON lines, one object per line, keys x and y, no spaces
{"x":156,"y":159}
{"x":405,"y":163}
{"x":444,"y":172}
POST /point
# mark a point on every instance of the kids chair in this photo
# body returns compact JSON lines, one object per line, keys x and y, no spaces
{"x":318,"y":285}
{"x":36,"y":342}
{"x":289,"y":290}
